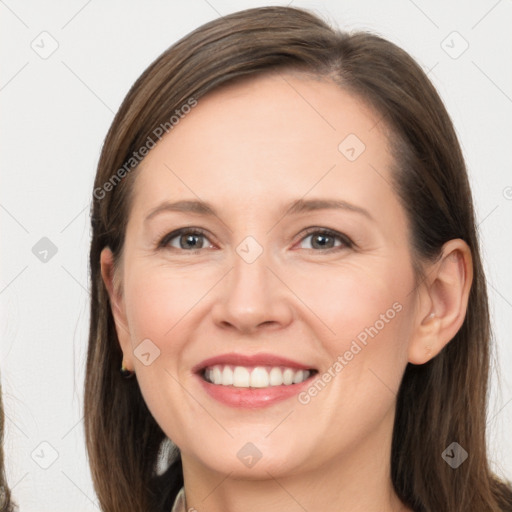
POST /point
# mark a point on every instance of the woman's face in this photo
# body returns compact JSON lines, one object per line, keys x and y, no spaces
{"x":270,"y":334}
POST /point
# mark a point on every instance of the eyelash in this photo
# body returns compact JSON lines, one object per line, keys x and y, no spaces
{"x":345,"y":240}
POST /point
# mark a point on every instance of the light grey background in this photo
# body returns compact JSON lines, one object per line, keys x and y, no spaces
{"x":55,"y":113}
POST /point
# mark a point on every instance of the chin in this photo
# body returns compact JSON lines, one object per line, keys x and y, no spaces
{"x":244,"y":459}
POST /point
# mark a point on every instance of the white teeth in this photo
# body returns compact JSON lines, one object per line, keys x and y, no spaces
{"x":298,"y":377}
{"x":276,"y":377}
{"x":241,"y":377}
{"x":258,"y":377}
{"x":217,"y":374}
{"x":288,"y":375}
{"x":227,"y":376}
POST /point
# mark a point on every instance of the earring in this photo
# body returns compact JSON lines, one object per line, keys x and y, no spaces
{"x":125,"y":373}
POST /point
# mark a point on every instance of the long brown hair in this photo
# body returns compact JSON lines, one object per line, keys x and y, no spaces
{"x":6,"y":504}
{"x":438,"y":403}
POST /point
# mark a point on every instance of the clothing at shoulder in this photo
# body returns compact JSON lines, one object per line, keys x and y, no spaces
{"x":179,"y":502}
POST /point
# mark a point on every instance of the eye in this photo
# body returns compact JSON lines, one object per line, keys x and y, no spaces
{"x":325,"y":239}
{"x":186,"y":239}
{"x":195,"y":239}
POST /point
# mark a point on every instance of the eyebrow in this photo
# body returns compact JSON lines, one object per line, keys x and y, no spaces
{"x":295,"y":208}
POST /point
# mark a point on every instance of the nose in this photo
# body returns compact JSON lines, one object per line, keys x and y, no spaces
{"x":252,"y":298}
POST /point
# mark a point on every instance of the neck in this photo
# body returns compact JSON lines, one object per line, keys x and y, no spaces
{"x":357,"y":481}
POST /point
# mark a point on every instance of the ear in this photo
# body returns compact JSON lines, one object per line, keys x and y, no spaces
{"x":443,"y":300}
{"x":117,"y":306}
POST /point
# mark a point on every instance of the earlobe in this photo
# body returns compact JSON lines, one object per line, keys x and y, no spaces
{"x":117,"y":306}
{"x":444,"y":298}
{"x":423,"y":343}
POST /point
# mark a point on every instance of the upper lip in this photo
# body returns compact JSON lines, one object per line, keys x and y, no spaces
{"x":250,"y":360}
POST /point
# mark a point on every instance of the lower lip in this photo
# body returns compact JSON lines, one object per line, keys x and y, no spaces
{"x":252,"y":398}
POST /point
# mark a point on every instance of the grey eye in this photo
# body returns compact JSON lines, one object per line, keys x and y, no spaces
{"x":319,"y":240}
{"x":188,"y":240}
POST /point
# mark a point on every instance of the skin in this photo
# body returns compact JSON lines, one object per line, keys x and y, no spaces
{"x":250,"y":149}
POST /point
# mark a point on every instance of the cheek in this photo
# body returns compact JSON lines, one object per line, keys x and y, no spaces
{"x":159,"y":305}
{"x":365,"y":312}
{"x":356,"y":301}
{"x":163,"y":308}
{"x":157,"y":301}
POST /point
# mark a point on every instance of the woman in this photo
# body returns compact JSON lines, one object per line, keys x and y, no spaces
{"x":284,"y":255}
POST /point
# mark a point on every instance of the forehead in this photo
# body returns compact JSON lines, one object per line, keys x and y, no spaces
{"x":267,"y":138}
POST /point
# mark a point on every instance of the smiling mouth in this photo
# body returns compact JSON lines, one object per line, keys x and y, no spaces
{"x":254,"y":376}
